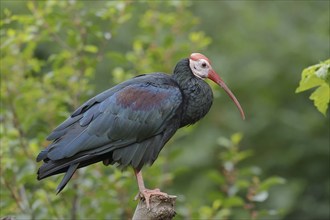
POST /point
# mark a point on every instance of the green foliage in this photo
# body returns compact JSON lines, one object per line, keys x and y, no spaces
{"x":157,"y":47}
{"x":239,"y":189}
{"x":317,"y":76}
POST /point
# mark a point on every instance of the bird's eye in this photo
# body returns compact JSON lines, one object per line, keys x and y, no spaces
{"x":203,"y":65}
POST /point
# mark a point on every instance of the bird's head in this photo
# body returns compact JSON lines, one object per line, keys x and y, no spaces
{"x":201,"y":67}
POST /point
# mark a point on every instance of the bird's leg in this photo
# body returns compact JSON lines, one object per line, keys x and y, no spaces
{"x":146,"y":193}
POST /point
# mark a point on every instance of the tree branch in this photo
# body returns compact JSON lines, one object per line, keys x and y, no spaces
{"x":161,"y":208}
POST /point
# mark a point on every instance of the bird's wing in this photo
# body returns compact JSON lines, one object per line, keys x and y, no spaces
{"x":128,"y":113}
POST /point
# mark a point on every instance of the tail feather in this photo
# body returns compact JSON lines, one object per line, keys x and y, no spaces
{"x":69,"y":166}
{"x":51,"y":167}
{"x":69,"y":173}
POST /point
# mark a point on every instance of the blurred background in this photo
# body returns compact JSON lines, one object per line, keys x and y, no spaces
{"x":274,"y":165}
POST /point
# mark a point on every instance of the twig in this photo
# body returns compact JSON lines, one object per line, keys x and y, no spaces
{"x":14,"y":195}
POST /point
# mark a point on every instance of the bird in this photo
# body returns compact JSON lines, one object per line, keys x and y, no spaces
{"x":129,"y":124}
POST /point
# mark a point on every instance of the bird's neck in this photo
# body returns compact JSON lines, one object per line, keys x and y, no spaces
{"x":197,"y":94}
{"x":182,"y":72}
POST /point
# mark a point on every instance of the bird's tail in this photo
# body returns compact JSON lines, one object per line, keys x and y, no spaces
{"x":67,"y":166}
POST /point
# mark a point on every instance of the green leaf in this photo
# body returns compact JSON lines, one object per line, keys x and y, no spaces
{"x":90,"y":48}
{"x":317,"y":76}
{"x":234,"y":201}
{"x":216,"y":204}
{"x":269,"y":182}
{"x":309,"y":79}
{"x":205,"y":212}
{"x":236,"y":138}
{"x":242,"y":155}
{"x":223,"y":214}
{"x":321,"y":98}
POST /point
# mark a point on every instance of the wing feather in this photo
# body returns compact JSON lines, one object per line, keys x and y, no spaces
{"x":127,"y":124}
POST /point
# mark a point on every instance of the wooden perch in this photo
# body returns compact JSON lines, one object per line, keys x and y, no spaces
{"x":161,"y":208}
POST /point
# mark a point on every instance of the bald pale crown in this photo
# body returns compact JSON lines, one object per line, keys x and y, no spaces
{"x":199,"y":65}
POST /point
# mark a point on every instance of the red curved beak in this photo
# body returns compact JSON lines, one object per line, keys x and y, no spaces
{"x":216,"y":78}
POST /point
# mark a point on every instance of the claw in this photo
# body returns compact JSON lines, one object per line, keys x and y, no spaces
{"x":147,"y":193}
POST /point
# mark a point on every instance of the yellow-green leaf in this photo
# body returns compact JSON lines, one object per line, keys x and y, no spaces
{"x":321,"y":98}
{"x":90,"y":48}
{"x":309,"y":79}
{"x":317,"y":76}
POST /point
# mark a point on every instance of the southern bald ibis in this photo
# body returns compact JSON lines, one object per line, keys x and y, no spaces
{"x":130,"y":123}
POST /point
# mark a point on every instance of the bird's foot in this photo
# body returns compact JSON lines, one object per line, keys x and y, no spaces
{"x":147,"y":193}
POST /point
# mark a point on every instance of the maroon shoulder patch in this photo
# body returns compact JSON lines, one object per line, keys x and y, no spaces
{"x":140,"y":98}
